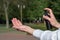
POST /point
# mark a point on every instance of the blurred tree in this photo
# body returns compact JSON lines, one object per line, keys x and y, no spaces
{"x":54,"y":4}
{"x":6,"y":4}
{"x":21,"y":6}
{"x":35,"y":8}
{"x":27,"y":9}
{"x":17,"y":6}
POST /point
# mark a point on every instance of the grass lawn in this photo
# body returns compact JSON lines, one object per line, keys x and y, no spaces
{"x":3,"y":28}
{"x":37,"y":26}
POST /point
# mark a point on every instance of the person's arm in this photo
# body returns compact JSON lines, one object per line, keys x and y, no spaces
{"x":47,"y":35}
{"x":52,"y":18}
{"x":37,"y":33}
{"x":18,"y":25}
{"x":43,"y":35}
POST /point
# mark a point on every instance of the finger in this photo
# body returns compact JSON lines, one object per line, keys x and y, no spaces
{"x":50,"y":12}
{"x":19,"y":22}
{"x":46,"y":17}
{"x":15,"y":22}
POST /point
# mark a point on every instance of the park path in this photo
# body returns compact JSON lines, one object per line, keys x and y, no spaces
{"x":14,"y":36}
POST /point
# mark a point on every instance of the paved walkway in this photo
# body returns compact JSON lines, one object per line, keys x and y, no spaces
{"x":14,"y":36}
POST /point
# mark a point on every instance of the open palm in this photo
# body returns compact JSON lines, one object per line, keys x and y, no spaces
{"x":18,"y":25}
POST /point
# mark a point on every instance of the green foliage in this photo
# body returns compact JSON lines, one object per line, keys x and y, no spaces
{"x":35,"y":8}
{"x":13,"y":11}
{"x":55,"y":5}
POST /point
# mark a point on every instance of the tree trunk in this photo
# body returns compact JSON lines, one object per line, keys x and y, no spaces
{"x":6,"y":14}
{"x":21,"y":12}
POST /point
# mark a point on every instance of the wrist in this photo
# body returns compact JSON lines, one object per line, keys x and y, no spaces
{"x":30,"y":30}
{"x":58,"y":25}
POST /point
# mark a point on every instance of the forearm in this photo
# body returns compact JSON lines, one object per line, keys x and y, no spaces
{"x":29,"y":30}
{"x":35,"y":32}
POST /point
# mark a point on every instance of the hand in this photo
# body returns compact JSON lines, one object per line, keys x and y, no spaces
{"x":52,"y":18}
{"x":18,"y":25}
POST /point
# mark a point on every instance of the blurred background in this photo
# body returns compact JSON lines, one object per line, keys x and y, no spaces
{"x":29,"y":12}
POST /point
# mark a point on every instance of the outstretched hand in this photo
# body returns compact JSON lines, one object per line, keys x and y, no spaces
{"x":18,"y":25}
{"x":52,"y":18}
